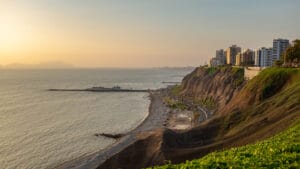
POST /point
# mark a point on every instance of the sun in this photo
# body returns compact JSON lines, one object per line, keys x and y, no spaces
{"x":13,"y":33}
{"x":8,"y":34}
{"x":15,"y":37}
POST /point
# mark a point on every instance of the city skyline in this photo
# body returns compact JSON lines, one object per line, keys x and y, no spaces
{"x":260,"y":57}
{"x":138,"y":33}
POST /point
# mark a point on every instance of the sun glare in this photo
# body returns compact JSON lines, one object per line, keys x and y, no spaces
{"x":12,"y":33}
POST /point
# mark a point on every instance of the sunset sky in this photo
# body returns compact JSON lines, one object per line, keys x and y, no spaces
{"x":138,"y":33}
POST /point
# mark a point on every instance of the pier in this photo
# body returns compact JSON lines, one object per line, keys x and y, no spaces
{"x":101,"y":89}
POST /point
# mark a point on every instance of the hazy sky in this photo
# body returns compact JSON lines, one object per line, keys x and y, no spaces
{"x":139,"y":33}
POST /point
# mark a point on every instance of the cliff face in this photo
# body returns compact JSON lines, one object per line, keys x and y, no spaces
{"x":252,"y":111}
{"x":218,"y":84}
{"x":262,"y":107}
{"x":247,"y":112}
{"x":144,"y":152}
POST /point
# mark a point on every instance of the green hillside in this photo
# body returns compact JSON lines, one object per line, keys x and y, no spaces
{"x":280,"y":151}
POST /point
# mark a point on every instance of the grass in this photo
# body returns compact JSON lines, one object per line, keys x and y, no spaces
{"x":238,"y":73}
{"x":207,"y":102}
{"x":174,"y":104}
{"x":176,"y":90}
{"x":270,"y":81}
{"x":280,"y":151}
{"x":212,"y":70}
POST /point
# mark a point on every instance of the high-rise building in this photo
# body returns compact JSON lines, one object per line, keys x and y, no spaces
{"x":279,"y":46}
{"x":257,"y":57}
{"x":247,"y":57}
{"x":221,"y":57}
{"x":231,"y":53}
{"x":263,"y":57}
{"x":267,"y":59}
{"x":238,"y":59}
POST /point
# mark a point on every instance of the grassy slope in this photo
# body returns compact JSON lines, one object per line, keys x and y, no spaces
{"x":280,"y":151}
{"x":274,"y":93}
{"x":271,"y":80}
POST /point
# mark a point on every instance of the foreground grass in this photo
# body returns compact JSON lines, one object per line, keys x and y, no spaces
{"x":280,"y":151}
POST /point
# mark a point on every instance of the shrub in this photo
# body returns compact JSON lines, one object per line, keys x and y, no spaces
{"x":176,"y":90}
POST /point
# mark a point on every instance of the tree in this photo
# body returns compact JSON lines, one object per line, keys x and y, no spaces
{"x":278,"y":63}
{"x":292,"y":55}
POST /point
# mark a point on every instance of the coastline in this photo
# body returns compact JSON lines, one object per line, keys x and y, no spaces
{"x":154,"y":143}
{"x":156,"y":119}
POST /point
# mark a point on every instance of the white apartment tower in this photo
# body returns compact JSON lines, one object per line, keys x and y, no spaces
{"x":257,"y":56}
{"x":279,"y":46}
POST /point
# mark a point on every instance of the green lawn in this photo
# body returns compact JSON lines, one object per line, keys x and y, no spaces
{"x":280,"y":151}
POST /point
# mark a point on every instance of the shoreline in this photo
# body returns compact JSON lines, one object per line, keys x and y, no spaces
{"x":156,"y":119}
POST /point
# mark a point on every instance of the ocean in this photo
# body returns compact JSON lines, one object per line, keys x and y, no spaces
{"x":42,"y":129}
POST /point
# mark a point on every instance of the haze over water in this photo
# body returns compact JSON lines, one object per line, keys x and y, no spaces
{"x":41,"y":129}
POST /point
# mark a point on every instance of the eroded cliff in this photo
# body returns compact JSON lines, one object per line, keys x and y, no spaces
{"x":247,"y":111}
{"x":218,"y":84}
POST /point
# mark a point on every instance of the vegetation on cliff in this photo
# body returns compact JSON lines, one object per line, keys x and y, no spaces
{"x":213,"y":86}
{"x":280,"y":151}
{"x":270,"y":81}
{"x":174,"y":104}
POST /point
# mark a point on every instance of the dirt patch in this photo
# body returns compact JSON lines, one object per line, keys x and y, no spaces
{"x":180,"y":120}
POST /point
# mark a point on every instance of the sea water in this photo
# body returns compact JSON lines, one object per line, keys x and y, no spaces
{"x":42,"y":129}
